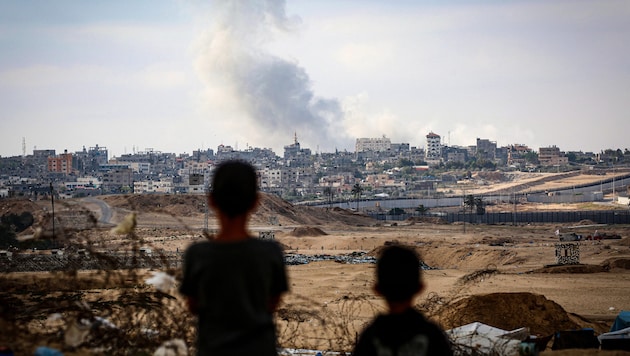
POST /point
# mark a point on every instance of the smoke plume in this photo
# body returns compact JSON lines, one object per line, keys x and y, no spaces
{"x":274,"y":94}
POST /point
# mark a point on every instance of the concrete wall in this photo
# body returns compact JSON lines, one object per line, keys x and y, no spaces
{"x":565,"y":198}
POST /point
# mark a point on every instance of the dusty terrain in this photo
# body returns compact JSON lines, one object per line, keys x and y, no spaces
{"x":498,"y":275}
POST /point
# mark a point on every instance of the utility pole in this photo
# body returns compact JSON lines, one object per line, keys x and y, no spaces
{"x":52,"y":202}
{"x":514,"y":214}
{"x":464,"y":208}
{"x":613,"y":182}
{"x":205,"y":222}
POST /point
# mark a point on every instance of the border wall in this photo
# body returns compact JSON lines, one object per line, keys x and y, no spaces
{"x":525,"y":217}
{"x":557,"y":197}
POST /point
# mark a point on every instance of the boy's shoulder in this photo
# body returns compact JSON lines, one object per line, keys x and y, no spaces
{"x":251,"y":242}
{"x":412,"y":319}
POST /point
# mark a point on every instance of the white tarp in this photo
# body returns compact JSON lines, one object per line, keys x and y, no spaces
{"x":486,"y":339}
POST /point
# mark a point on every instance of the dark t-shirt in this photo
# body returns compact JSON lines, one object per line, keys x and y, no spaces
{"x":405,"y":334}
{"x":233,"y":284}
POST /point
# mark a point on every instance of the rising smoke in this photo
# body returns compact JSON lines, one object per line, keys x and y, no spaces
{"x":275,"y":94}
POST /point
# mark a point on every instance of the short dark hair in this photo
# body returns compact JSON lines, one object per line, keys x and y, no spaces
{"x":234,"y":187}
{"x":398,"y":273}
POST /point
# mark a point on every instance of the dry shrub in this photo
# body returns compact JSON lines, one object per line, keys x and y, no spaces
{"x":479,"y":275}
{"x":302,"y":231}
{"x":306,"y":324}
{"x":120,"y":313}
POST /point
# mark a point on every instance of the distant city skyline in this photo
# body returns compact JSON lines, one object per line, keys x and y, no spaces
{"x":180,"y":76}
{"x":154,"y":148}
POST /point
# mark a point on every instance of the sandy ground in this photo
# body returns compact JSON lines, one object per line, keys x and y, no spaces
{"x":329,"y":303}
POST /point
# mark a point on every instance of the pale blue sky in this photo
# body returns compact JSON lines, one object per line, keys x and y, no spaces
{"x":176,"y":76}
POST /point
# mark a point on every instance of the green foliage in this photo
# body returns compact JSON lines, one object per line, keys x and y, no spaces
{"x":421,"y":209}
{"x":396,"y":211}
{"x":403,"y":162}
{"x":469,"y":202}
{"x":454,"y":165}
{"x":12,"y":223}
{"x":357,"y":189}
{"x":480,"y":206}
{"x":531,"y":157}
{"x":475,"y":203}
{"x":7,"y":236}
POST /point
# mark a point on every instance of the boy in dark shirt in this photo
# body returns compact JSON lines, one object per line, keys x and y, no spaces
{"x":234,"y":282}
{"x":404,"y":331}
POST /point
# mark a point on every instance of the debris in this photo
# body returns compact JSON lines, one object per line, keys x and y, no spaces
{"x":77,"y":332}
{"x":163,"y":282}
{"x":175,"y":347}
{"x":478,"y":338}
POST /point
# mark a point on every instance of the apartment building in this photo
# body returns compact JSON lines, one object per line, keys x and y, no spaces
{"x":551,"y":156}
{"x":433,"y":152}
{"x":373,"y":144}
{"x":61,"y":163}
{"x":162,"y":186}
{"x":486,"y":149}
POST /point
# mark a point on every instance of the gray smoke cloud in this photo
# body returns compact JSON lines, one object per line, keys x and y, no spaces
{"x":276,"y":94}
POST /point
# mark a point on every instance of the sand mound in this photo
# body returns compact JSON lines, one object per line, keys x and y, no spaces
{"x":508,"y":311}
{"x":271,"y":209}
{"x":172,"y":204}
{"x":623,"y":242}
{"x":621,"y":263}
{"x":19,"y":206}
{"x":426,"y":220}
{"x":288,"y":214}
{"x":375,"y":252}
{"x":581,"y":268}
{"x":586,"y":222}
{"x":304,"y":231}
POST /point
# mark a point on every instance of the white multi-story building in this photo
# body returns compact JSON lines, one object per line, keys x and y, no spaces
{"x":434,"y":147}
{"x":83,"y":183}
{"x":373,"y":144}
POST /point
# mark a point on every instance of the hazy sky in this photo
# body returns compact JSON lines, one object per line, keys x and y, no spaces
{"x":177,"y":76}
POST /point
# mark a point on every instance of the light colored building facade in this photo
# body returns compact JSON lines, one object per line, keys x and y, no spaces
{"x":433,"y":152}
{"x":162,"y":186}
{"x":373,"y":144}
{"x":270,"y":178}
{"x":551,"y":156}
{"x":486,"y":149}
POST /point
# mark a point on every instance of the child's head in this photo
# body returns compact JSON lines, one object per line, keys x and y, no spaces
{"x":234,"y":188}
{"x":398,"y":274}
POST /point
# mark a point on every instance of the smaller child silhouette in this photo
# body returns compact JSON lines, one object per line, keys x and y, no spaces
{"x":404,"y":331}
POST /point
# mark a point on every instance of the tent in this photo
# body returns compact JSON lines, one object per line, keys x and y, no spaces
{"x":622,"y":321}
{"x":486,"y":339}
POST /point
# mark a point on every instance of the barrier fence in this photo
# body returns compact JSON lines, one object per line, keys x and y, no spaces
{"x":525,"y":217}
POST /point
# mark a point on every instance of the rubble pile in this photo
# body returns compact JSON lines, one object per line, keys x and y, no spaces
{"x":291,"y":259}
